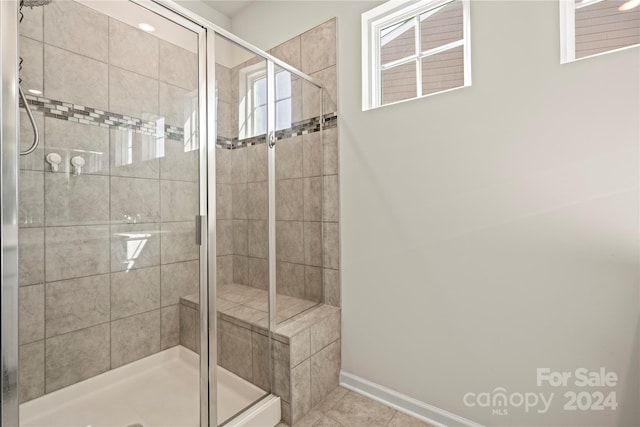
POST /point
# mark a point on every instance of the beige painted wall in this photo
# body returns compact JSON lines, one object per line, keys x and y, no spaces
{"x":492,"y":230}
{"x":206,"y":11}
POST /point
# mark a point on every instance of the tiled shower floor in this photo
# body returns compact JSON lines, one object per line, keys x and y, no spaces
{"x":159,"y":390}
{"x":251,"y":305}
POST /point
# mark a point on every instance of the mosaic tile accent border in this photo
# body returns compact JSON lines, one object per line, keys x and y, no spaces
{"x":91,"y":116}
{"x":224,"y":142}
{"x":304,"y":127}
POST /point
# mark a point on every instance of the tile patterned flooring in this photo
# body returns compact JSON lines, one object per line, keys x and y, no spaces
{"x":344,"y":408}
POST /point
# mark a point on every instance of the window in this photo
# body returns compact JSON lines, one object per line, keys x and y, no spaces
{"x":258,"y":110}
{"x":414,"y":49}
{"x":594,"y":27}
{"x":283,"y":99}
{"x":254,"y":104}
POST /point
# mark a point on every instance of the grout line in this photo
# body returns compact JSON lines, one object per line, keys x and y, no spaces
{"x":83,"y":55}
{"x":108,"y":62}
{"x":323,"y":69}
{"x":107,"y":322}
{"x":112,"y":272}
{"x":392,"y":416}
{"x":113,"y":223}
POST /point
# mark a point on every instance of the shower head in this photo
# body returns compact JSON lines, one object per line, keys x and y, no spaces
{"x":35,"y":3}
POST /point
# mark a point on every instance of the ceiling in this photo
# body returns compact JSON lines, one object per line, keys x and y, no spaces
{"x":229,"y":8}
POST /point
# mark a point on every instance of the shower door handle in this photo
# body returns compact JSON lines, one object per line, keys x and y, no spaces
{"x":199,"y":221}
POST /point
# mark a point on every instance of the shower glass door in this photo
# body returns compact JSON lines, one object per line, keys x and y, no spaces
{"x":168,"y":219}
{"x":110,"y":274}
{"x":242,"y":228}
{"x":299,"y":165}
{"x":269,"y":168}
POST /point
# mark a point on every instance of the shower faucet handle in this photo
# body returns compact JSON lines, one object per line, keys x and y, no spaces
{"x":78,"y":163}
{"x":131,"y":219}
{"x":54,"y":160}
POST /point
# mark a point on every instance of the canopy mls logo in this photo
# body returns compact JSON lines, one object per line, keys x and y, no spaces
{"x":500,"y":401}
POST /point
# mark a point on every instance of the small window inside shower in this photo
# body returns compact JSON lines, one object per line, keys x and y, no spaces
{"x":253,"y":101}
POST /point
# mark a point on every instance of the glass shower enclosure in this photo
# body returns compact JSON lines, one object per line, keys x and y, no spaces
{"x":161,"y":212}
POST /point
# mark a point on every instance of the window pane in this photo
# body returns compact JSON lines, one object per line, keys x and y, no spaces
{"x":443,"y":71}
{"x":601,"y":27}
{"x":283,"y":85}
{"x":442,"y":26}
{"x":398,"y":41}
{"x":260,"y":91}
{"x":260,"y":120}
{"x":399,"y":83}
{"x":283,"y":114}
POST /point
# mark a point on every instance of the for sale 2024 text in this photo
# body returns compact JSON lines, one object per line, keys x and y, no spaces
{"x":583,"y":378}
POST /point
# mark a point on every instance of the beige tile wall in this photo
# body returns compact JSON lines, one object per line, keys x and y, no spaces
{"x":84,"y":309}
{"x":306,"y":183}
{"x":306,"y":364}
{"x":307,"y":177}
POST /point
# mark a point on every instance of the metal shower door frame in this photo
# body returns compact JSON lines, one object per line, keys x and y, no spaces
{"x":206,"y":223}
{"x":9,"y":146}
{"x":9,"y":211}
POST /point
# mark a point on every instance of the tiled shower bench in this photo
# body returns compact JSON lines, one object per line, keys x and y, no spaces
{"x":305,"y":348}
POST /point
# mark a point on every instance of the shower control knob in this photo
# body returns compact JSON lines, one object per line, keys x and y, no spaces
{"x":54,"y":160}
{"x":78,"y":163}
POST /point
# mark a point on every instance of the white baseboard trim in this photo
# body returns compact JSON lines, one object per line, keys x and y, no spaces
{"x":403,"y":403}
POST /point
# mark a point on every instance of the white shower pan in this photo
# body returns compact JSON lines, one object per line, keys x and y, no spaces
{"x":161,"y":390}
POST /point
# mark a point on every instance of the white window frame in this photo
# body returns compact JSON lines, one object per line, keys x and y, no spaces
{"x":247,"y":107}
{"x":280,"y":100}
{"x":253,"y":106}
{"x":393,"y":12}
{"x":568,"y":32}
